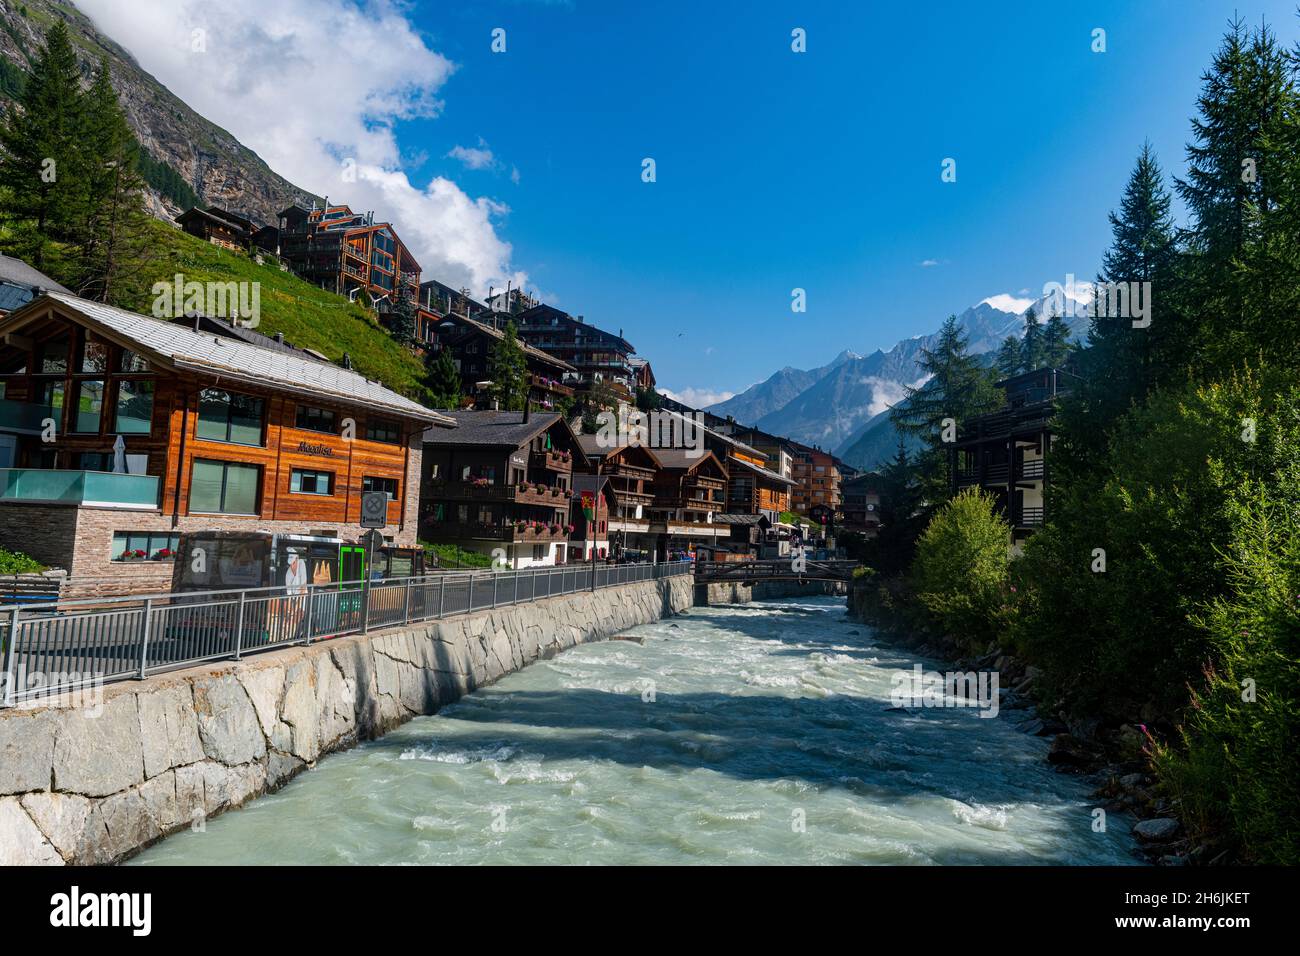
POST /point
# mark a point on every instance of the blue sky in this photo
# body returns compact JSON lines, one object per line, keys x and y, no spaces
{"x":819,"y":170}
{"x":775,"y":170}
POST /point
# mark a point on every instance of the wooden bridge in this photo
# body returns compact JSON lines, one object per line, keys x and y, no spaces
{"x":780,"y":569}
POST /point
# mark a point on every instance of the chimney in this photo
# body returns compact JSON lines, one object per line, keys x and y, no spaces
{"x":279,"y":337}
{"x":347,"y":360}
{"x":528,"y":407}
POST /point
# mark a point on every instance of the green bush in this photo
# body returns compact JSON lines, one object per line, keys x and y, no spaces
{"x":961,"y":569}
{"x":1120,"y":641}
{"x":15,"y":562}
{"x":1234,"y":768}
{"x":454,"y":556}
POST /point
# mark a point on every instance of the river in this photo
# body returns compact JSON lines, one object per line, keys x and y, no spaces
{"x":757,"y":733}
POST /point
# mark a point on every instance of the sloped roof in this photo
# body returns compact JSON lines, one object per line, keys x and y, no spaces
{"x":687,"y":458}
{"x":231,"y":359}
{"x":592,"y":447}
{"x":19,"y":272}
{"x":762,"y":472}
{"x":491,"y":428}
{"x":497,"y":334}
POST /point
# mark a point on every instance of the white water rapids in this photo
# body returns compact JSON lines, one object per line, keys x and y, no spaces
{"x":759,"y":733}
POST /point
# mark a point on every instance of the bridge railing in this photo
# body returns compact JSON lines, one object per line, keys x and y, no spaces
{"x":63,"y":646}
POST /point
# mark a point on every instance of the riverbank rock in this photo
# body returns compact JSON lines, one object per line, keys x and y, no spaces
{"x":1070,"y":751}
{"x":1158,"y":830}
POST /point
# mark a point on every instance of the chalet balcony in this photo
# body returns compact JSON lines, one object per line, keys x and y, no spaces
{"x":1031,"y":470}
{"x":95,"y":489}
{"x":530,"y":493}
{"x":554,"y":386}
{"x":509,"y":532}
{"x":551,"y":460}
{"x":26,"y":417}
{"x":1030,"y":518}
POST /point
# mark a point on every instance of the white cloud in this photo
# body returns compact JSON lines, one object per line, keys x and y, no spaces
{"x":308,"y":84}
{"x":1005,"y":302}
{"x":474,"y":157}
{"x":698,"y":397}
{"x":928,"y":263}
{"x":884,"y":394}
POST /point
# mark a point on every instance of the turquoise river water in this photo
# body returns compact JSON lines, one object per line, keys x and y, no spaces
{"x":758,"y":733}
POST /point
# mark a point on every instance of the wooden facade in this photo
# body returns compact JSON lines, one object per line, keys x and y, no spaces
{"x":201,"y":450}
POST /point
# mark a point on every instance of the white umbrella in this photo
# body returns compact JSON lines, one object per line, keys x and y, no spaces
{"x":119,"y":456}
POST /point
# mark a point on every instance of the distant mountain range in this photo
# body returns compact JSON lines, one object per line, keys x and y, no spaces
{"x":843,"y":407}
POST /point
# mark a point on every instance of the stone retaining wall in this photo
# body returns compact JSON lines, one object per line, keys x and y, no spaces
{"x":95,"y":785}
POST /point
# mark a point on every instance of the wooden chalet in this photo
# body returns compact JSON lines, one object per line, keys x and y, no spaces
{"x":345,"y":252}
{"x":598,"y":356}
{"x":501,"y":484}
{"x":1006,"y":452}
{"x":119,"y":433}
{"x":218,"y":226}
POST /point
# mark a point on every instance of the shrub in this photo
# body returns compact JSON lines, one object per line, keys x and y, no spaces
{"x":15,"y":562}
{"x":1121,"y":642}
{"x":961,"y":567}
{"x":1234,"y":767}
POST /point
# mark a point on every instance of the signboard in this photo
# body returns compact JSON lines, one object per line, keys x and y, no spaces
{"x":374,"y":509}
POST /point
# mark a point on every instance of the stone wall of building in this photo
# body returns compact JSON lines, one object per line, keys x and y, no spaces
{"x":96,"y":783}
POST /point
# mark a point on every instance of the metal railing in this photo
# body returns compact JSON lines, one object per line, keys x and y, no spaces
{"x":66,"y":645}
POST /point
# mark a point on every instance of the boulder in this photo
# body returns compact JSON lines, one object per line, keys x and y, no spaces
{"x":1157,"y":830}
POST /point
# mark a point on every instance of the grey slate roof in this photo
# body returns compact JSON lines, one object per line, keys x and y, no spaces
{"x":19,"y":272}
{"x":491,"y":429}
{"x":235,"y":360}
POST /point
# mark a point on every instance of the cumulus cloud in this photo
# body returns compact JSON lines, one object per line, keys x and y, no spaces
{"x":310,"y":85}
{"x":474,"y":157}
{"x":698,"y":397}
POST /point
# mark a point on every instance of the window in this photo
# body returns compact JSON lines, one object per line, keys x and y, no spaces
{"x":52,"y":396}
{"x":539,"y":552}
{"x":94,"y":357}
{"x":304,"y":482}
{"x":228,"y":416}
{"x":387,"y":485}
{"x":54,"y":356}
{"x":224,"y":487}
{"x":316,"y":419}
{"x":131,"y":362}
{"x":89,"y":406}
{"x":95,"y":461}
{"x":150,"y":542}
{"x":134,"y":407}
{"x":377,"y":429}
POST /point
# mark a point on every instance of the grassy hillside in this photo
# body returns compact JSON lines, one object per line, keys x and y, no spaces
{"x":308,"y":317}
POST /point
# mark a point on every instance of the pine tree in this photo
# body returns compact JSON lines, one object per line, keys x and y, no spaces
{"x":41,"y":159}
{"x":957,"y":388}
{"x":1008,"y":360}
{"x":1238,"y":169}
{"x":901,"y":520}
{"x":1056,"y":342}
{"x":113,"y":237}
{"x":508,"y":369}
{"x":404,"y":318}
{"x":1031,"y":346}
{"x":444,"y":380}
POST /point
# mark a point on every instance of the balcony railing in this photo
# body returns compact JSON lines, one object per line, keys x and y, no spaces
{"x":509,"y":532}
{"x":551,"y":495}
{"x":25,"y":416}
{"x":100,"y":489}
{"x":551,"y":460}
{"x":1030,"y":518}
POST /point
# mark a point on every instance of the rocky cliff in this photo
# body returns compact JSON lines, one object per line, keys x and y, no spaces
{"x":218,"y":168}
